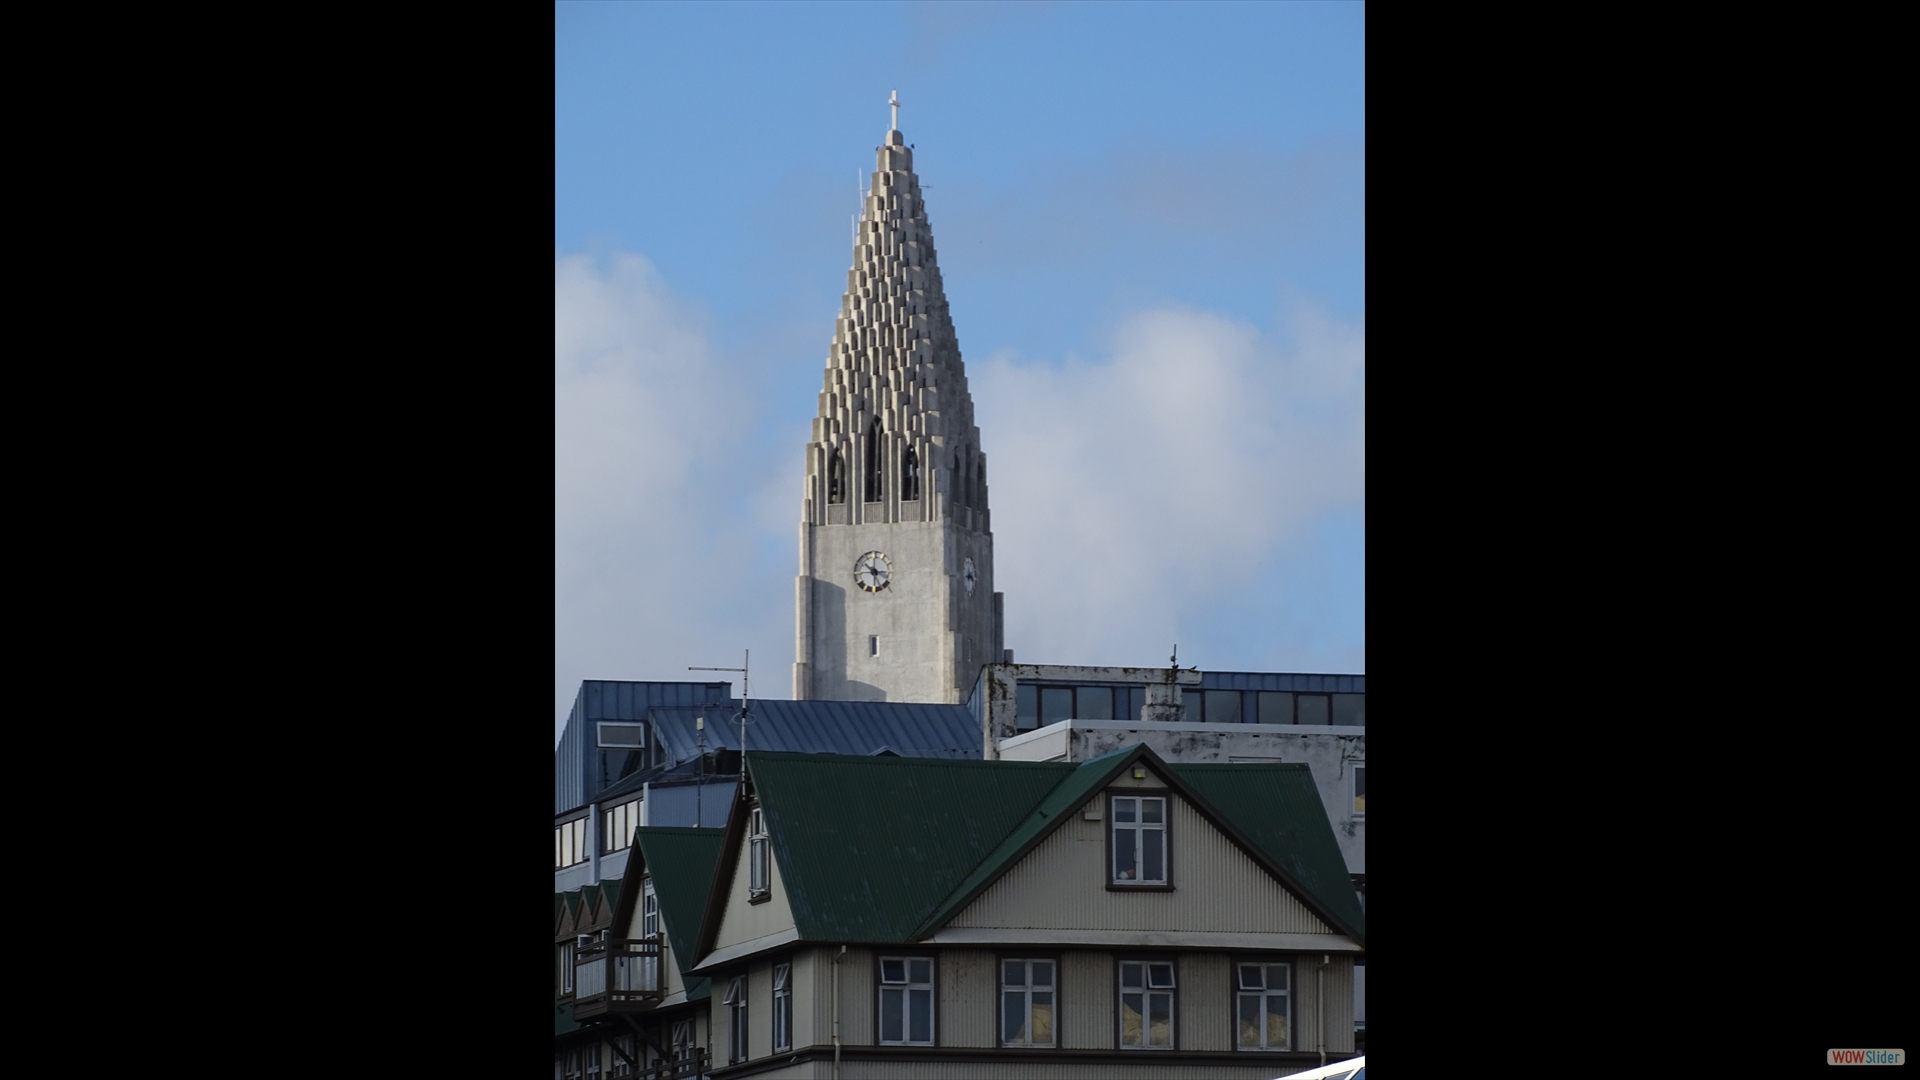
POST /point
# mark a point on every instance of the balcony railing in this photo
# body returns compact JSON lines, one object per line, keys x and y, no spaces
{"x":620,"y":975}
{"x":691,"y":1067}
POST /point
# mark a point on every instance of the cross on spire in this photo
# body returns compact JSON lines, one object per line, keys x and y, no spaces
{"x":895,"y":102}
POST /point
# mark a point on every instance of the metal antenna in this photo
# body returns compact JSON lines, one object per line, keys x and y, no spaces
{"x":746,"y":687}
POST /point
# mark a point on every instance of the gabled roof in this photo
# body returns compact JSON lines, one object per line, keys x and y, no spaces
{"x":883,"y":850}
{"x":1277,"y":808}
{"x":681,"y":862}
{"x":868,"y":845}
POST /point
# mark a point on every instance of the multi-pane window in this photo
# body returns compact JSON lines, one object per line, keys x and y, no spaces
{"x":591,"y":1052}
{"x":623,"y":751}
{"x":650,"y":927}
{"x":564,"y":952}
{"x":682,"y":1040}
{"x":574,"y":1061}
{"x":906,"y":1000}
{"x":621,"y":821}
{"x":758,"y":871}
{"x":570,"y":843}
{"x":624,"y":1059}
{"x":782,"y":1007}
{"x":1261,"y":992}
{"x":1139,"y":841}
{"x":1146,"y":1003}
{"x":1026,"y":1002}
{"x":736,"y":1002}
{"x":1360,"y":791}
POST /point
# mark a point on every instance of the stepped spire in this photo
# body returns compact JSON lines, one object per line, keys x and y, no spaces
{"x":895,"y":600}
{"x":895,"y":424}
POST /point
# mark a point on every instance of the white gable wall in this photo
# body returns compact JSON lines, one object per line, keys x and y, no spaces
{"x":743,"y":921}
{"x":1061,"y":885}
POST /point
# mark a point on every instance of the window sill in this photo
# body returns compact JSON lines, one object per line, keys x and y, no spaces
{"x":1116,"y":886}
{"x":759,"y":897}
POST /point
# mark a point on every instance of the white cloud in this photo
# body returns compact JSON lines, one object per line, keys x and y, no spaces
{"x":653,"y":566}
{"x":1158,"y":495}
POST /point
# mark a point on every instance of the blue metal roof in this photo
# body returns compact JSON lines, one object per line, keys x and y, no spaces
{"x":825,"y":727}
{"x":576,"y":760}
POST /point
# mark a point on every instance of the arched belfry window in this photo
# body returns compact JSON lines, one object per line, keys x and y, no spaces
{"x":875,"y":486}
{"x":836,"y":478}
{"x":909,"y":475}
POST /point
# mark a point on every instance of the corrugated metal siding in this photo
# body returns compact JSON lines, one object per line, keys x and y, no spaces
{"x":1277,"y":680}
{"x":857,"y":1001}
{"x":1061,"y":885}
{"x":744,"y":921}
{"x":1339,"y":1003}
{"x":825,"y":727}
{"x":968,"y":992}
{"x":576,"y":760}
{"x":568,"y":777}
{"x":1086,"y":1000}
{"x":809,"y":1004}
{"x":1206,"y":1002}
{"x":759,"y":1009}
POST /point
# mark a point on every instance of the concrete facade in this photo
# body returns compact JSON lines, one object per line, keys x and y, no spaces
{"x":894,"y":467}
{"x":1329,"y":751}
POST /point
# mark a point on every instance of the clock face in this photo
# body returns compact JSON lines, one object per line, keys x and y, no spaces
{"x":872,"y":571}
{"x":967,"y":575}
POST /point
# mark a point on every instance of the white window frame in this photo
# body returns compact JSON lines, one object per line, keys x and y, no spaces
{"x":1353,"y":789}
{"x":631,"y":1046}
{"x":621,"y":821}
{"x":736,"y":1003}
{"x":782,"y":1008}
{"x":566,"y":968}
{"x":682,"y":1039}
{"x":1149,"y":969}
{"x":1142,"y":834}
{"x":759,"y":870}
{"x":1263,"y":970}
{"x":592,"y":1056}
{"x":650,"y":928}
{"x":570,"y":843}
{"x":907,"y":987}
{"x":1027,"y":991}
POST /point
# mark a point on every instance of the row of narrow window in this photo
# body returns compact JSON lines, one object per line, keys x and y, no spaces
{"x":1028,"y":1004}
{"x":972,"y":474}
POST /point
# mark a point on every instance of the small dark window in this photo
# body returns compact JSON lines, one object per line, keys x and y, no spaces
{"x":1276,"y":707}
{"x":1313,"y":708}
{"x":1027,"y":697}
{"x":1093,"y":703}
{"x":1223,"y":706}
{"x":876,"y":478}
{"x":1056,"y":704}
{"x":1136,"y":703}
{"x":909,"y":475}
{"x":1350,"y":709}
{"x":836,"y":479}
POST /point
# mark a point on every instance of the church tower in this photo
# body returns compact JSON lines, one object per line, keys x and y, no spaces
{"x":895,"y":598}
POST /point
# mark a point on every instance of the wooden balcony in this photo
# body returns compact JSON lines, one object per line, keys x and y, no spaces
{"x":694,"y":1067}
{"x":620,"y":975}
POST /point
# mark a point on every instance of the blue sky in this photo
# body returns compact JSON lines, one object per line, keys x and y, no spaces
{"x":1151,"y":224}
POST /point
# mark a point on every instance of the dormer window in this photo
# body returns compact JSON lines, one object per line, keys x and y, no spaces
{"x":1139,"y":840}
{"x":759,"y":863}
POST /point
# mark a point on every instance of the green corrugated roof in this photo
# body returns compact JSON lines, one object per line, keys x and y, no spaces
{"x":869,"y":846}
{"x":681,"y":862}
{"x":943,"y":831}
{"x":1278,"y":808}
{"x":1077,"y":787}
